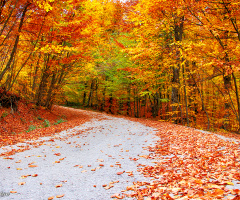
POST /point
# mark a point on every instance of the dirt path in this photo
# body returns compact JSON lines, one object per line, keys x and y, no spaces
{"x":118,"y":158}
{"x":92,"y":161}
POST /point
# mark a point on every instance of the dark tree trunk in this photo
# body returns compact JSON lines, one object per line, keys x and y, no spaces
{"x":15,"y":43}
{"x":178,"y":33}
{"x":89,"y":103}
{"x":129,"y":101}
{"x":50,"y":91}
{"x":43,"y":83}
{"x":110,"y":104}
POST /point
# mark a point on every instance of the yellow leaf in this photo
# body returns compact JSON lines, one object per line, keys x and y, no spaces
{"x":229,"y":183}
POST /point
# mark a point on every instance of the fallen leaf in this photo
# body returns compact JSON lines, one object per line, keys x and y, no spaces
{"x":50,"y":198}
{"x":116,"y":195}
{"x":119,"y":173}
{"x":32,"y":165}
{"x":57,"y":186}
{"x":218,"y":192}
{"x":60,"y":196}
{"x":25,"y":176}
{"x":21,"y":183}
{"x":229,"y":183}
{"x":13,"y":192}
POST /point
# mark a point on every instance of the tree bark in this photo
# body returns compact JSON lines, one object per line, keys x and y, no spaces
{"x":15,"y":43}
{"x":178,"y":33}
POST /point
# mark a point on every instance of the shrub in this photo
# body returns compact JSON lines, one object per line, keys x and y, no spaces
{"x":31,"y":128}
{"x":60,"y":121}
{"x":46,"y":123}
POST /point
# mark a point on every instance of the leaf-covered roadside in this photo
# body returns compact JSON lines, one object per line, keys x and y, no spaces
{"x":189,"y":164}
{"x":30,"y":122}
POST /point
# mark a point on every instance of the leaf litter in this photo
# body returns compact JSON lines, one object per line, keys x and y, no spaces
{"x":185,"y":164}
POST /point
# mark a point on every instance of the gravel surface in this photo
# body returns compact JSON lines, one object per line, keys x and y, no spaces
{"x":89,"y":162}
{"x":80,"y":160}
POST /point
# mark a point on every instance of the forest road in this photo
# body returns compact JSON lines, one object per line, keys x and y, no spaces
{"x":92,"y":161}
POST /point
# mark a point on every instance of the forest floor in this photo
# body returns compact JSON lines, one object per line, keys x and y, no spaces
{"x":78,"y":154}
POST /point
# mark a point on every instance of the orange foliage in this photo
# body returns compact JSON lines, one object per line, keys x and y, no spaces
{"x":14,"y":126}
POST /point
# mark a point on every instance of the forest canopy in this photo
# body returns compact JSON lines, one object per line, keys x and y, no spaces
{"x":171,"y":60}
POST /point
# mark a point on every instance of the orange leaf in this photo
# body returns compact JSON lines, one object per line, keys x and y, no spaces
{"x":34,"y":175}
{"x":32,"y":165}
{"x":21,"y":183}
{"x":60,"y":196}
{"x":13,"y":192}
{"x":218,"y":192}
{"x":50,"y":198}
{"x":119,"y":173}
{"x":25,"y":176}
{"x":57,"y":186}
{"x":116,"y":195}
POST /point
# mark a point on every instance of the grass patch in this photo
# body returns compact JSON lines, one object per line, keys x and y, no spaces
{"x":31,"y":128}
{"x":60,"y":121}
{"x":5,"y":114}
{"x":39,"y":118}
{"x":46,"y":123}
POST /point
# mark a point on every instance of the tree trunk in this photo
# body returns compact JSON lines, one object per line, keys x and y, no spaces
{"x":129,"y":100}
{"x":103,"y":99}
{"x":227,"y":85}
{"x":50,"y":91}
{"x":43,"y":83}
{"x":110,"y":104}
{"x":178,"y":33}
{"x":35,"y":74}
{"x":185,"y":95}
{"x":15,"y":43}
{"x":238,"y":100}
{"x":89,"y":103}
{"x":84,"y":93}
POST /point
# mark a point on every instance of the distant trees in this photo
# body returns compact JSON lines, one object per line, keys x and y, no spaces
{"x":170,"y":60}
